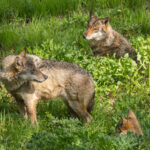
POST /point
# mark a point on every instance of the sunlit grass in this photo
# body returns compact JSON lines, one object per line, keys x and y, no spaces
{"x":53,"y":29}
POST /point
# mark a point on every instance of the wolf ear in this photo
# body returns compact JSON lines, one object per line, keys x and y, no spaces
{"x":92,"y":16}
{"x":124,"y":121}
{"x":131,"y":115}
{"x":18,"y":63}
{"x":23,"y":53}
{"x":106,"y":20}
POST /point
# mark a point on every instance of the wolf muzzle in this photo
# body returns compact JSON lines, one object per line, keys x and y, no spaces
{"x":84,"y":36}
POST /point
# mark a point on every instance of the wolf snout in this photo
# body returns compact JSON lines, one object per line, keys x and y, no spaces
{"x":42,"y":78}
{"x":84,"y":36}
{"x":45,"y":76}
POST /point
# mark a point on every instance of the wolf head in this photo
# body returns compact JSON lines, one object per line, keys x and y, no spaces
{"x":97,"y":28}
{"x":130,"y":124}
{"x":23,"y":67}
{"x":26,"y":68}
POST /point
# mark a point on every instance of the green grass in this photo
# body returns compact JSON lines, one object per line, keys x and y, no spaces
{"x":10,"y":10}
{"x":54,"y":30}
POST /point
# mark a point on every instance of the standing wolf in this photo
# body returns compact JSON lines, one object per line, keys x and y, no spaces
{"x":106,"y":41}
{"x":30,"y":79}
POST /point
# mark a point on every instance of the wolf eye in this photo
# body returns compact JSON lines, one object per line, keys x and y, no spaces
{"x":96,"y":29}
{"x":32,"y":72}
{"x":103,"y":30}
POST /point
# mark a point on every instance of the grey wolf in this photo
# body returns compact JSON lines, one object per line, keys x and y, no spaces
{"x":30,"y":79}
{"x":106,"y":41}
{"x":130,"y":124}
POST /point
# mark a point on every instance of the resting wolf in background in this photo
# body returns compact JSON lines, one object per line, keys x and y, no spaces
{"x":30,"y":79}
{"x":130,"y":124}
{"x":106,"y":41}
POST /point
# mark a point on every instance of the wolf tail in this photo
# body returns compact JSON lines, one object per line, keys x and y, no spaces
{"x":91,"y":103}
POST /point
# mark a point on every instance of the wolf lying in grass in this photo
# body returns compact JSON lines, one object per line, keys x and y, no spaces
{"x":131,"y":124}
{"x":106,"y":41}
{"x":30,"y":79}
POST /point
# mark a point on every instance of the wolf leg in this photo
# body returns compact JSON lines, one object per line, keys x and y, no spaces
{"x":31,"y":107}
{"x":80,"y":110}
{"x":71,"y":111}
{"x":22,"y":108}
{"x":60,"y":91}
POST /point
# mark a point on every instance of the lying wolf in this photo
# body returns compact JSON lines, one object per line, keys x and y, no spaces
{"x":30,"y":79}
{"x":130,"y":124}
{"x":106,"y":41}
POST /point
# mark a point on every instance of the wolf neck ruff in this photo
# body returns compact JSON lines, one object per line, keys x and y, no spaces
{"x":15,"y":81}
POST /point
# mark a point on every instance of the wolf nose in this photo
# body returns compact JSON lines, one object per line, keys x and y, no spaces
{"x":84,"y":36}
{"x":45,"y":77}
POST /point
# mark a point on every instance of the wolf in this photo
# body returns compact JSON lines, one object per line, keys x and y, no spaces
{"x":31,"y":79}
{"x":106,"y":41}
{"x":130,"y":124}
